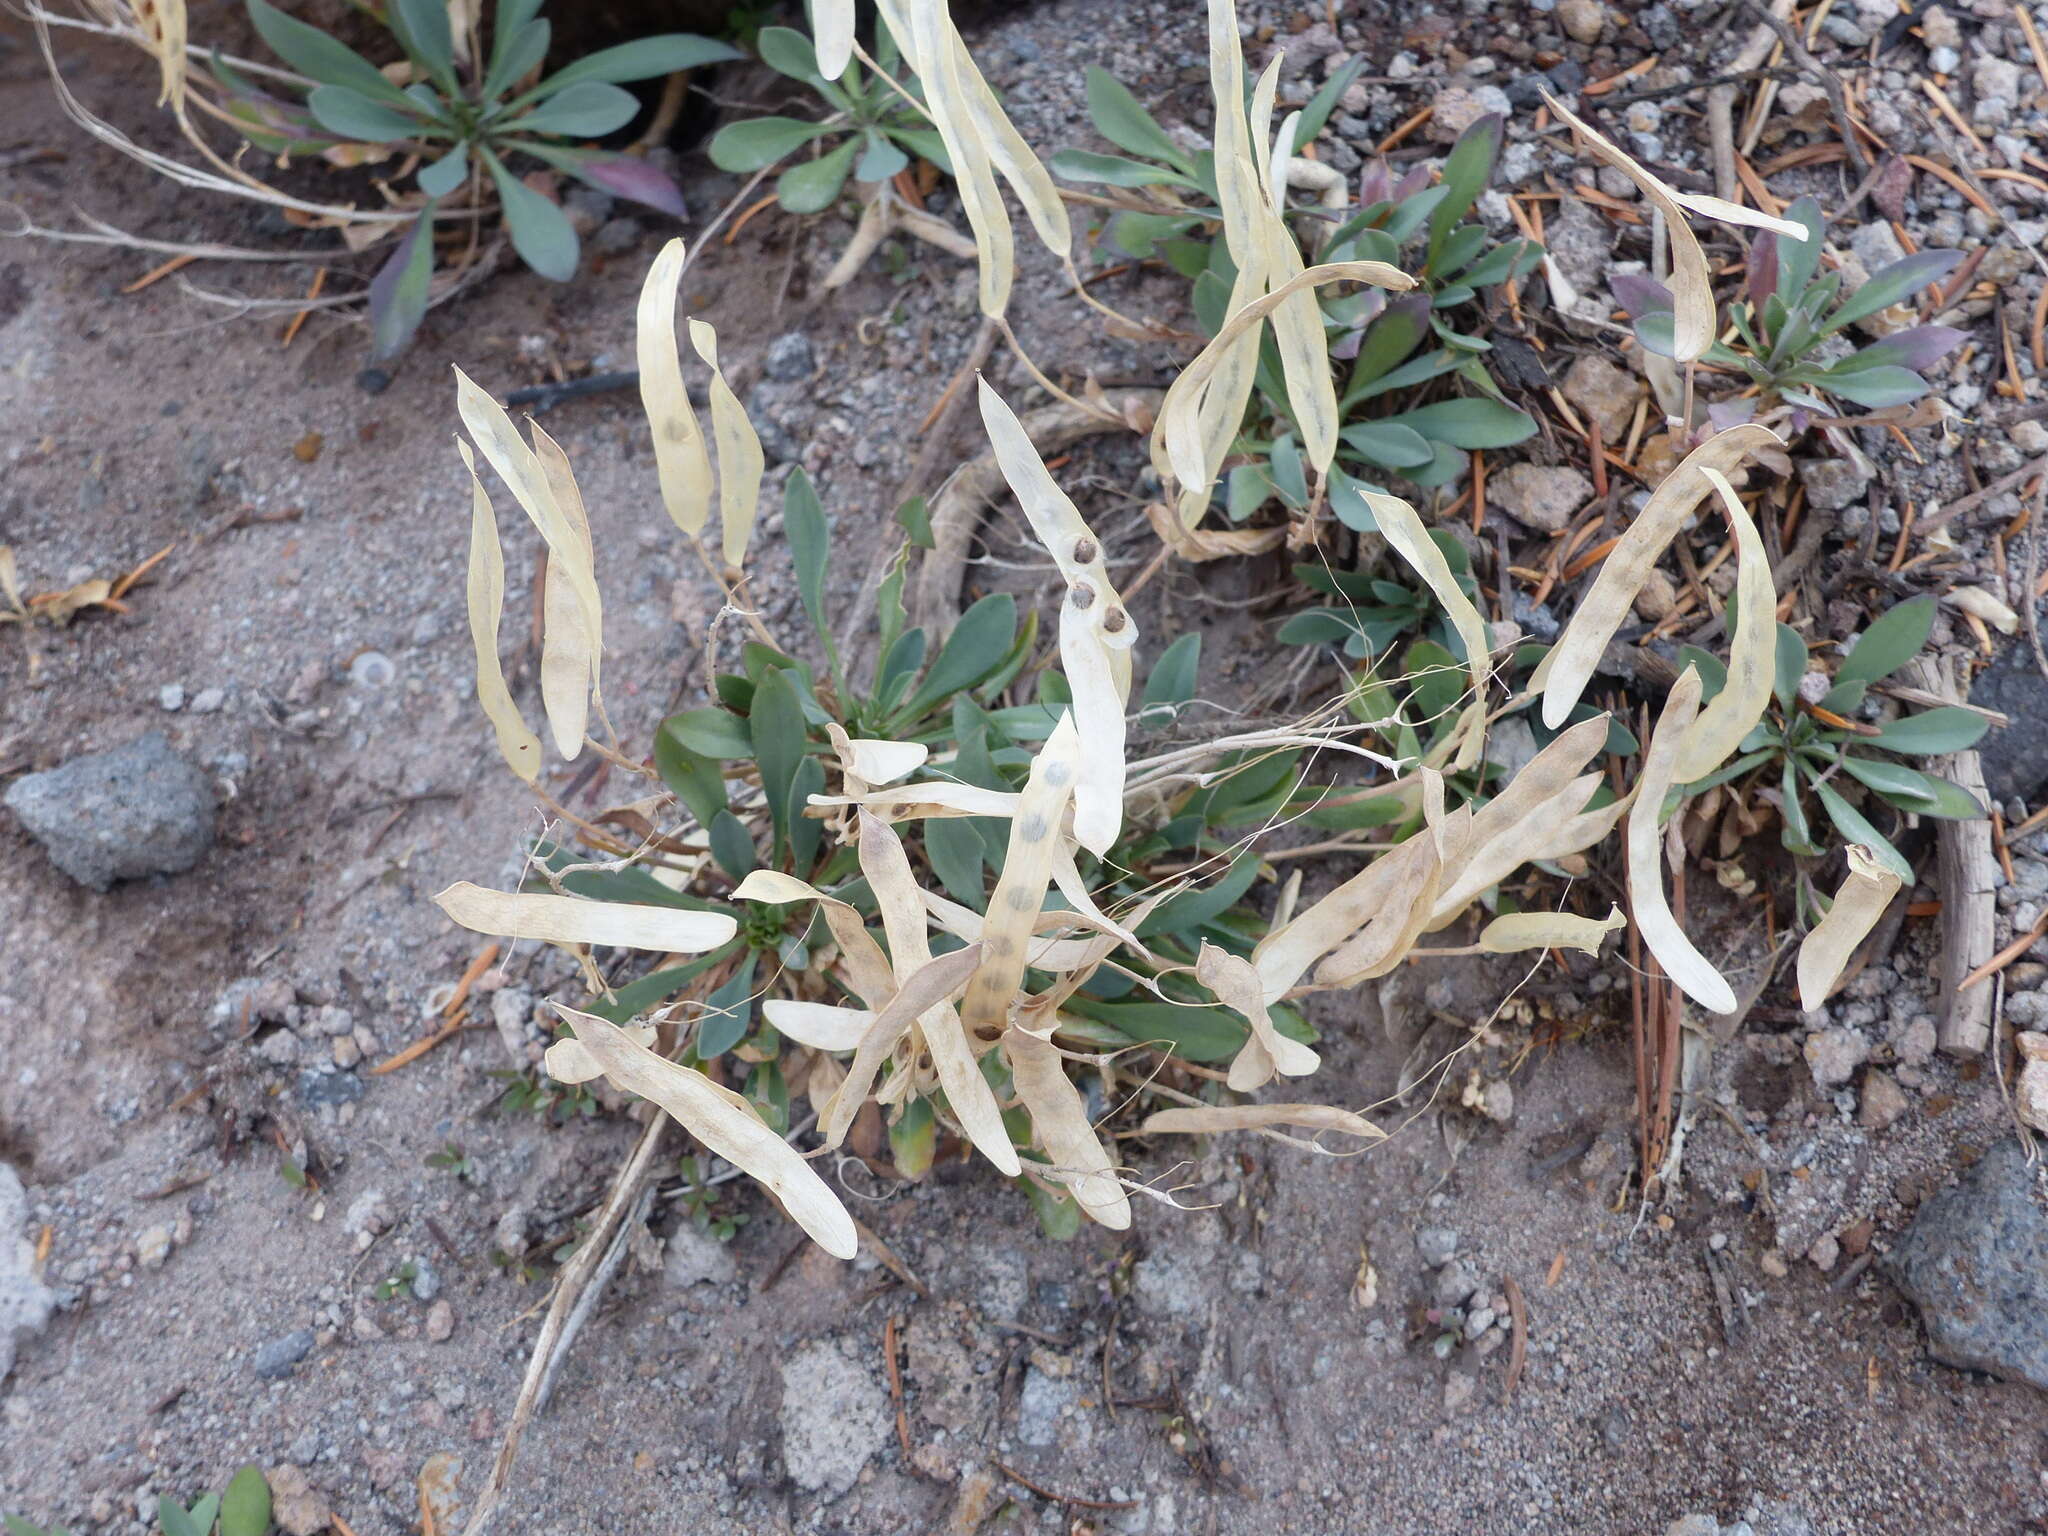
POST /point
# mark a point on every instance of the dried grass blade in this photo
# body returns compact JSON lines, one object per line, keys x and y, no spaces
{"x":572,"y":920}
{"x":1208,"y":1119}
{"x":1564,"y":673}
{"x":1752,"y":650}
{"x":519,"y":746}
{"x":741,"y":462}
{"x":1059,"y":1117}
{"x":726,"y":1124}
{"x":681,"y":458}
{"x":1548,"y":930}
{"x":1644,"y":846}
{"x":1865,"y":893}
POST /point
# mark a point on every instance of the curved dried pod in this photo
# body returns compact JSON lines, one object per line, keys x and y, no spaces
{"x":555,"y":919}
{"x":1562,"y":676}
{"x":1865,"y":893}
{"x":741,"y":462}
{"x":1265,"y":1051}
{"x":681,"y":459}
{"x":1518,"y":823}
{"x":1644,"y":846}
{"x":1692,"y":288}
{"x":723,"y":1121}
{"x":1549,"y":930}
{"x":1059,"y":1120}
{"x":486,"y":596}
{"x":1752,"y":650}
{"x":1405,"y":535}
{"x":1209,"y":1119}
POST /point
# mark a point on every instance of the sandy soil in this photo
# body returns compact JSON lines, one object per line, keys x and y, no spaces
{"x":1214,"y":1371}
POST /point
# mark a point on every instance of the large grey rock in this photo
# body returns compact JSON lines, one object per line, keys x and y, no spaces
{"x":25,"y":1302}
{"x":835,"y":1418}
{"x":2015,"y":757}
{"x":1975,"y":1262}
{"x":138,"y":810}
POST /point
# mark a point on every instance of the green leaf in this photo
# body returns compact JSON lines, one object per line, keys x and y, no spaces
{"x":1324,"y":102}
{"x":516,"y":55}
{"x":1194,"y":1031}
{"x":399,"y":291}
{"x":1851,"y":824}
{"x":879,"y":159}
{"x":1467,"y":169}
{"x":1791,"y":665}
{"x":810,"y":546}
{"x":1947,"y":729}
{"x":1875,"y":388}
{"x":423,"y":26}
{"x":589,"y":109}
{"x":805,"y":832}
{"x":691,"y":776}
{"x":540,"y":231}
{"x":1113,"y":170}
{"x":245,"y":1507}
{"x":1890,"y":643}
{"x":1119,"y":118}
{"x":1924,"y":794}
{"x":176,"y":1520}
{"x":1389,"y":444}
{"x":1058,"y":1212}
{"x":1171,"y":682}
{"x":973,"y":650}
{"x":788,"y":52}
{"x":814,"y":185}
{"x":1189,"y":910}
{"x":641,"y":60}
{"x":954,"y":849}
{"x":1470,"y":423}
{"x":1893,"y":284}
{"x":349,"y":114}
{"x":900,"y":663}
{"x":755,"y":142}
{"x":319,"y":57}
{"x":916,"y":520}
{"x":728,"y":1014}
{"x":733,"y":845}
{"x":711,"y":732}
{"x":444,"y":175}
{"x":913,"y":1139}
{"x":636,"y":997}
{"x":776,"y":726}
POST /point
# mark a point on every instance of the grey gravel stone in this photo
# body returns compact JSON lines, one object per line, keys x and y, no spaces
{"x":835,"y":1418}
{"x":789,"y":358}
{"x":1832,"y":484}
{"x":1975,"y":1262}
{"x":1437,"y":1245}
{"x":25,"y":1302}
{"x":274,"y":1361}
{"x":138,"y":810}
{"x":318,"y":1088}
{"x":694,"y":1255}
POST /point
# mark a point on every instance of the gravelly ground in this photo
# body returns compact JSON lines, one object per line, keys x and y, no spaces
{"x":1212,"y":1372}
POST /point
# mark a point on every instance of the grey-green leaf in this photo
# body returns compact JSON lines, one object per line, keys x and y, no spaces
{"x":1890,"y":643}
{"x":761,"y":141}
{"x":814,"y":186}
{"x":347,"y":112}
{"x":1119,"y":118}
{"x":1791,"y":665}
{"x":541,"y":232}
{"x":776,"y":725}
{"x":444,"y":175}
{"x":399,"y":291}
{"x":319,"y":57}
{"x":245,"y":1508}
{"x":810,"y":545}
{"x":1947,"y":729}
{"x":732,"y":845}
{"x":711,"y":732}
{"x":425,"y":24}
{"x":974,"y":649}
{"x":589,"y":109}
{"x":1470,"y":423}
{"x":1853,"y":825}
{"x":1172,"y":679}
{"x":643,"y":60}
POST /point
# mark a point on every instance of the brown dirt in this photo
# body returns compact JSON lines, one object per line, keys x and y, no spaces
{"x":1211,"y":1367}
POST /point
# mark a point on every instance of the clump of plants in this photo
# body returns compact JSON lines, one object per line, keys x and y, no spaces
{"x":1381,"y":351}
{"x":1790,"y":325}
{"x":1811,"y":742}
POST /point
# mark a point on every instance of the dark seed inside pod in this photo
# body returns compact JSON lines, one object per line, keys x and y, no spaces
{"x":1085,"y":551}
{"x":988,"y":1032}
{"x":1083,"y":595}
{"x":1114,"y":620}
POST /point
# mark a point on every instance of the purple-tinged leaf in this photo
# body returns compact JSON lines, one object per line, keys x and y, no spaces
{"x":1876,"y":388}
{"x":1639,"y":295}
{"x":1918,"y":347}
{"x":1374,"y":184}
{"x":1731,"y":413}
{"x":628,"y":177}
{"x":398,"y":293}
{"x":1762,"y":279}
{"x":1410,"y":184}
